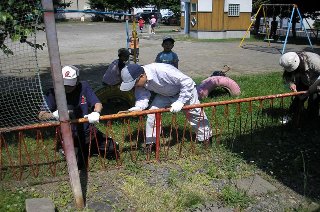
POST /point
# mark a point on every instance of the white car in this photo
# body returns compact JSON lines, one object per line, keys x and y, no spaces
{"x":168,"y":14}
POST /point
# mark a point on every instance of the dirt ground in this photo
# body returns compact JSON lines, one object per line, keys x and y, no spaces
{"x":92,"y":46}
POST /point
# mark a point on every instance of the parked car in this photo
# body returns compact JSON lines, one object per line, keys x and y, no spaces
{"x":168,"y":14}
{"x":171,"y":20}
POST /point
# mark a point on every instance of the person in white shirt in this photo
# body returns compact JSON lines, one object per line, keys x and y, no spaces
{"x":172,"y":88}
{"x":153,"y":22}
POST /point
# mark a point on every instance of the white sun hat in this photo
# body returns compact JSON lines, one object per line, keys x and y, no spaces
{"x":289,"y":61}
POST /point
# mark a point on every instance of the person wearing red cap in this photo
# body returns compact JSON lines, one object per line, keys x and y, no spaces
{"x":82,"y":103}
{"x":301,"y":73}
{"x":141,"y":24}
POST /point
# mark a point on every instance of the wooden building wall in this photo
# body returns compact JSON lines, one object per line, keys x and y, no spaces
{"x":237,"y":23}
{"x":217,"y":20}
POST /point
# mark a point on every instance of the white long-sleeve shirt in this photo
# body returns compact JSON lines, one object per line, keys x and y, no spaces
{"x":166,"y":80}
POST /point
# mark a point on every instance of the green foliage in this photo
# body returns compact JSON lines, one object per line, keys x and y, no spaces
{"x":12,"y":201}
{"x":173,"y":5}
{"x":190,"y":199}
{"x":63,"y":196}
{"x":61,"y":3}
{"x":234,"y":197}
{"x":116,"y":4}
{"x":18,"y":21}
{"x":316,"y":25}
{"x":99,"y":4}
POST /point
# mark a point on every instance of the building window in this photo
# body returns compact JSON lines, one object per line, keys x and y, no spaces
{"x":194,"y":7}
{"x":234,"y":10}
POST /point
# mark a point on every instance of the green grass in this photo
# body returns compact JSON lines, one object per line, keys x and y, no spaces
{"x":249,"y":144}
{"x":234,"y":197}
{"x":12,"y":201}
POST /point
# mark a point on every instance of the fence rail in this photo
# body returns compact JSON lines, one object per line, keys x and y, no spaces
{"x":33,"y":151}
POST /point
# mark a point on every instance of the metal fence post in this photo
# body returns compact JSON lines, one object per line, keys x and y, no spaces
{"x":55,"y":63}
{"x":158,"y":126}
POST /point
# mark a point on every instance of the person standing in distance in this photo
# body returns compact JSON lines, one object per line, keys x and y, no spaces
{"x":167,"y":55}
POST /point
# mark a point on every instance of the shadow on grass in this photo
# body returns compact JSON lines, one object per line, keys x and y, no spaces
{"x":288,"y":153}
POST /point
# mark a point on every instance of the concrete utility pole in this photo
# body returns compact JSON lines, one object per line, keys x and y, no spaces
{"x":61,"y":100}
{"x":186,"y":15}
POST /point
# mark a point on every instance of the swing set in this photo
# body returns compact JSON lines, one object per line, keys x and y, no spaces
{"x":135,"y":40}
{"x":277,"y":9}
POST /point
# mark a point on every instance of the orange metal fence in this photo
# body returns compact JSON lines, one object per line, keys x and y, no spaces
{"x":33,"y":151}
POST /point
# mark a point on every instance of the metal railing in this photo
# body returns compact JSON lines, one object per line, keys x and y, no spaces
{"x":33,"y":151}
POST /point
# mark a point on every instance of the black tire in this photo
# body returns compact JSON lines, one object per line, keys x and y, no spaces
{"x":115,"y":100}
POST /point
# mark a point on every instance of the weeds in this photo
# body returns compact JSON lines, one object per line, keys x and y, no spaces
{"x":234,"y":197}
{"x":12,"y":201}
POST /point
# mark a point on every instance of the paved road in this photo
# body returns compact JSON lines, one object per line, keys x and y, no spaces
{"x":94,"y":45}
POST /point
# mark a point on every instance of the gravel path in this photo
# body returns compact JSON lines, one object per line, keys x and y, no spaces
{"x":93,"y":44}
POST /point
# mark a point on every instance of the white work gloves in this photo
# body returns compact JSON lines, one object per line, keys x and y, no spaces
{"x":293,"y":87}
{"x":135,"y":109}
{"x":176,"y":107}
{"x":93,"y":117}
{"x":56,"y":114}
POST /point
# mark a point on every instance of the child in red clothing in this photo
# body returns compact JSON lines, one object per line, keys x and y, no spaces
{"x":141,"y":24}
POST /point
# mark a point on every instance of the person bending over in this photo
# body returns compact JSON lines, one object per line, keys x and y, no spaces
{"x":172,"y":89}
{"x":82,"y":103}
{"x":301,"y":71}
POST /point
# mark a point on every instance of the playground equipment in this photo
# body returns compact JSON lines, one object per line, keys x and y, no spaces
{"x":114,"y":100}
{"x":266,"y":25}
{"x":218,"y":79}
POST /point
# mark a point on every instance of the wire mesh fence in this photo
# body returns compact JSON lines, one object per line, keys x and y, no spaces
{"x":20,"y":91}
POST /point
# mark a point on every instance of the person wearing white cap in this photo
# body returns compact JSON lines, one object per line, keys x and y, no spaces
{"x":81,"y":102}
{"x":173,"y":89}
{"x":167,"y":55}
{"x":301,"y":73}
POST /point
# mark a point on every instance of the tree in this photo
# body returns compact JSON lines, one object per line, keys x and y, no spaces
{"x":99,"y":4}
{"x":19,"y":20}
{"x":117,"y":4}
{"x":173,"y":5}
